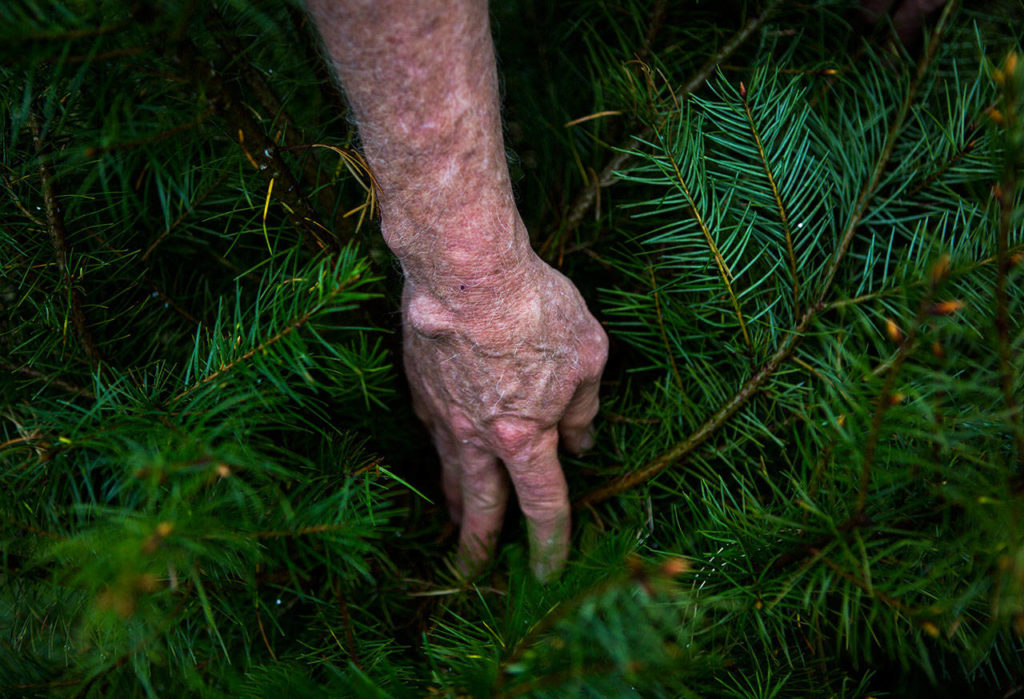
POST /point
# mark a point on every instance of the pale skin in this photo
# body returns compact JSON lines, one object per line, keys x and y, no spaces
{"x":502,"y":356}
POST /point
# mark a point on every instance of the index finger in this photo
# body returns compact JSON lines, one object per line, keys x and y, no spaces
{"x":576,"y":425}
{"x":532,"y":463}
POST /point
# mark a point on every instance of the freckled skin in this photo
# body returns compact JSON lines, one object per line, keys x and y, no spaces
{"x":502,"y":355}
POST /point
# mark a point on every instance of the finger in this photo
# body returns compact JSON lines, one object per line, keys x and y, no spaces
{"x":484,"y":488}
{"x":543,"y":494}
{"x":576,"y":425}
{"x":450,"y":473}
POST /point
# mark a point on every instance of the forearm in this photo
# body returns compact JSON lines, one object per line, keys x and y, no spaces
{"x":421,"y":79}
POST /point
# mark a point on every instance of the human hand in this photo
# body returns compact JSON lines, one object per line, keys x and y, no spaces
{"x":501,"y":353}
{"x":499,"y":368}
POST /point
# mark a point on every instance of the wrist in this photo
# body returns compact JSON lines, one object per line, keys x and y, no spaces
{"x":460,"y":250}
{"x":484,"y":308}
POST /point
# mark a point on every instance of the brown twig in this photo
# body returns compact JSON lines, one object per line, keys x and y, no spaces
{"x":84,"y":32}
{"x":174,"y":305}
{"x":302,"y":531}
{"x":886,"y":599}
{"x":58,"y":238}
{"x":350,"y":637}
{"x":63,"y":385}
{"x":615,"y":417}
{"x":812,"y":549}
{"x":31,"y":529}
{"x":752,"y":386}
{"x":654,"y":24}
{"x":263,"y":634}
{"x":98,"y":56}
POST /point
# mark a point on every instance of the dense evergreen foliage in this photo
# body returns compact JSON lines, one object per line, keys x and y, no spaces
{"x":804,"y":241}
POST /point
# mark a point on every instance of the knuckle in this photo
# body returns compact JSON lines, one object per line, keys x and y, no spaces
{"x":579,"y":419}
{"x":482,"y":503}
{"x":513,"y":436}
{"x":602,"y":341}
{"x":549,"y":504}
{"x":461,"y":427}
{"x":599,"y":346}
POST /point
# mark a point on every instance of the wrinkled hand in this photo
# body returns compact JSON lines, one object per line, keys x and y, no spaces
{"x":499,"y":369}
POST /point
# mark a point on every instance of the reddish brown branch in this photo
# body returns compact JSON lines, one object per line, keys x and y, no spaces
{"x":58,"y":238}
{"x":346,"y":621}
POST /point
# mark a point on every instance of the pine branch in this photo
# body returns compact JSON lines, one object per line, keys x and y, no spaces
{"x":753,"y":385}
{"x":664,"y":336}
{"x":886,"y":398}
{"x":1004,"y":347}
{"x":710,"y":427}
{"x":953,"y":272}
{"x":9,"y":186}
{"x":316,"y":575}
{"x":962,"y":152}
{"x":723,"y":269}
{"x":886,"y":599}
{"x":98,"y":151}
{"x":783,"y":218}
{"x":267,"y":160}
{"x":1005,"y":192}
{"x":268,"y":99}
{"x":58,"y":238}
{"x":896,"y":126}
{"x":291,"y":326}
{"x":587,"y":198}
{"x":184,"y":215}
{"x":55,"y":381}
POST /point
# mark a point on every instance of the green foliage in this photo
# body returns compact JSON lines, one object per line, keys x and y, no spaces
{"x":808,"y":477}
